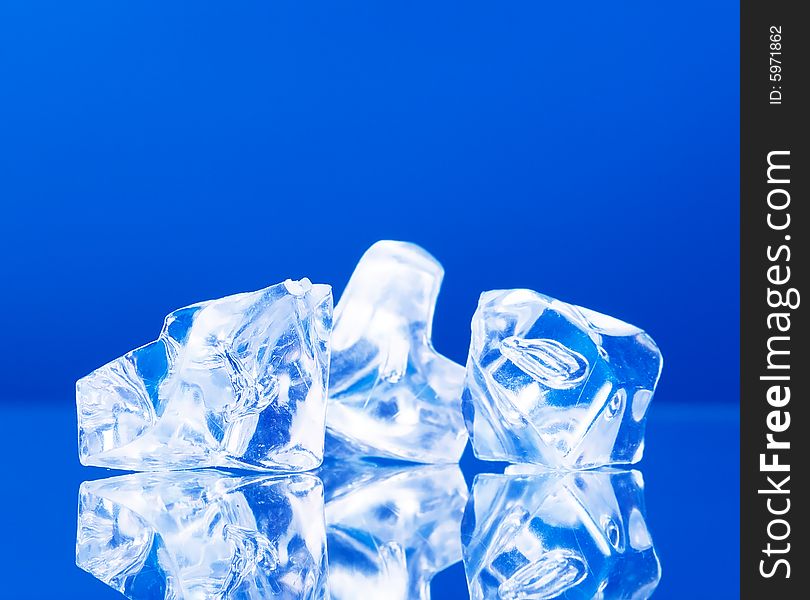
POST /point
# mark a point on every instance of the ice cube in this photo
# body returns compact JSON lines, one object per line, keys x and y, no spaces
{"x":556,"y":384}
{"x":390,"y":393}
{"x":235,"y":382}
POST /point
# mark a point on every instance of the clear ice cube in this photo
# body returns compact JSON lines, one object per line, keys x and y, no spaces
{"x":390,"y":530}
{"x":390,"y":393}
{"x":575,"y":535}
{"x":197,"y":535}
{"x":556,"y":384}
{"x":235,"y":382}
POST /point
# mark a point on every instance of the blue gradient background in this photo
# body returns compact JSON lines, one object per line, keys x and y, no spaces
{"x":152,"y":156}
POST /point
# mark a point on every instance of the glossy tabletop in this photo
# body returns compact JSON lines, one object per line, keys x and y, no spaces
{"x":690,"y":470}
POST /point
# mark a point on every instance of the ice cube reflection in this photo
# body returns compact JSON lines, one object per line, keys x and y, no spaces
{"x":534,"y":534}
{"x":205,"y":534}
{"x":391,"y":529}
